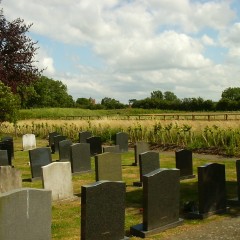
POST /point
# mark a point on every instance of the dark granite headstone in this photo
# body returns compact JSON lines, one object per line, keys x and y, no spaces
{"x":211,"y":191}
{"x":108,"y":166}
{"x":51,"y":136}
{"x":80,"y":157}
{"x":56,"y":140}
{"x":95,"y":145}
{"x":83,"y":136}
{"x":9,"y":139}
{"x":184,"y":163}
{"x":7,"y":145}
{"x":121,"y":139}
{"x":139,"y":147}
{"x":64,"y":150}
{"x":103,"y":211}
{"x":3,"y":158}
{"x":161,"y":193}
{"x":25,"y":214}
{"x":113,"y":148}
{"x":39,"y":157}
{"x":148,"y":162}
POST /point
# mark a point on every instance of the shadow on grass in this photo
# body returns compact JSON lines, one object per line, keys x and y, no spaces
{"x":134,"y":198}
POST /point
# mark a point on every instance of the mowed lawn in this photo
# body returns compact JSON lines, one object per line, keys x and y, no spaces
{"x":66,"y":215}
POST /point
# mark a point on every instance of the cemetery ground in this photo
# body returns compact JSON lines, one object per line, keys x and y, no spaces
{"x":66,"y":214}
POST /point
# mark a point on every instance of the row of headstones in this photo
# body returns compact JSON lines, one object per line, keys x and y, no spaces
{"x":103,"y":206}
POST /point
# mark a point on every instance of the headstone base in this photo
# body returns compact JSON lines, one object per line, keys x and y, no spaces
{"x":137,"y":184}
{"x":138,"y":231}
{"x":187,"y":177}
{"x":234,"y":202}
{"x":197,"y":215}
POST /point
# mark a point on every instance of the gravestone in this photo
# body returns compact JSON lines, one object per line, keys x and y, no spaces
{"x":3,"y":158}
{"x":95,"y":145}
{"x":25,"y":214}
{"x":148,"y":162}
{"x":83,"y":136}
{"x":121,"y":139}
{"x":9,"y":140}
{"x":113,"y":149}
{"x":10,"y":179}
{"x":64,"y":150}
{"x":184,"y":163}
{"x":236,"y":201}
{"x":107,"y":199}
{"x":139,"y":147}
{"x":51,"y":136}
{"x":57,"y":177}
{"x":161,"y":193}
{"x":28,"y":141}
{"x":108,"y":166}
{"x":80,"y":157}
{"x":39,"y":157}
{"x":56,"y":140}
{"x":211,"y":191}
{"x":8,"y":145}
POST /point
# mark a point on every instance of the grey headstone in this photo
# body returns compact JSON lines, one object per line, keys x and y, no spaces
{"x":51,"y":136}
{"x":108,"y":166}
{"x":83,"y":136}
{"x":39,"y":157}
{"x":161,"y":193}
{"x":3,"y":158}
{"x":25,"y":214}
{"x":184,"y":163}
{"x":57,"y":177}
{"x":139,"y":147}
{"x":80,"y":157}
{"x":64,"y":150}
{"x":103,"y":211}
{"x":10,"y":179}
{"x":8,"y":145}
{"x":113,"y":148}
{"x":95,"y":145}
{"x":121,"y":139}
{"x":56,"y":140}
{"x":28,"y":141}
{"x":148,"y":162}
{"x":9,"y":140}
{"x":211,"y":191}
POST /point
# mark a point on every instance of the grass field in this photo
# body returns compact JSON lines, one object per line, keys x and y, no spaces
{"x":66,"y":214}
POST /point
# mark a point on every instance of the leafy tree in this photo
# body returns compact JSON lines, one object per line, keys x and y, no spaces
{"x":17,"y":53}
{"x":111,"y":103}
{"x":85,"y":103}
{"x":157,"y":94}
{"x":9,"y":104}
{"x":169,"y":96}
{"x":231,"y":93}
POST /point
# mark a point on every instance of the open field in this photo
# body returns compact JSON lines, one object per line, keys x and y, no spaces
{"x":66,"y":214}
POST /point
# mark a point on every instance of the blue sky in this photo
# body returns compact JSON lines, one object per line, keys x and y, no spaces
{"x":127,"y":49}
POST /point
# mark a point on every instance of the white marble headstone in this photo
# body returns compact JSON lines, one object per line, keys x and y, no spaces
{"x":29,"y":142}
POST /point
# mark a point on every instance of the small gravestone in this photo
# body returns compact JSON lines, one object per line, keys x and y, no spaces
{"x":28,"y":142}
{"x":83,"y":136}
{"x":103,"y":211}
{"x":108,"y":166}
{"x":57,"y":177}
{"x":236,"y":201}
{"x":80,"y":157}
{"x":51,"y":136}
{"x":39,"y":157}
{"x":148,"y":162}
{"x":139,"y":147}
{"x":25,"y":214}
{"x":64,"y":150}
{"x":161,"y":193}
{"x":121,"y":139}
{"x":10,"y":179}
{"x":211,"y":191}
{"x":95,"y":145}
{"x":113,"y":148}
{"x":56,"y":140}
{"x":184,"y":163}
{"x":8,"y":145}
{"x":3,"y":158}
{"x":9,"y":140}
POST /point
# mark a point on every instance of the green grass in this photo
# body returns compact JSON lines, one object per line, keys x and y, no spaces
{"x":66,"y":214}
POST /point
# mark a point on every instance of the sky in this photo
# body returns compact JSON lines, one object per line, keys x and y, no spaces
{"x":126,"y":49}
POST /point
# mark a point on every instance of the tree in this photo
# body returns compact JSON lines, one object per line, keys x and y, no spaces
{"x":231,"y":93}
{"x":9,"y":104}
{"x":111,"y":103}
{"x":157,"y":94}
{"x":17,"y":53}
{"x":169,"y":96}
